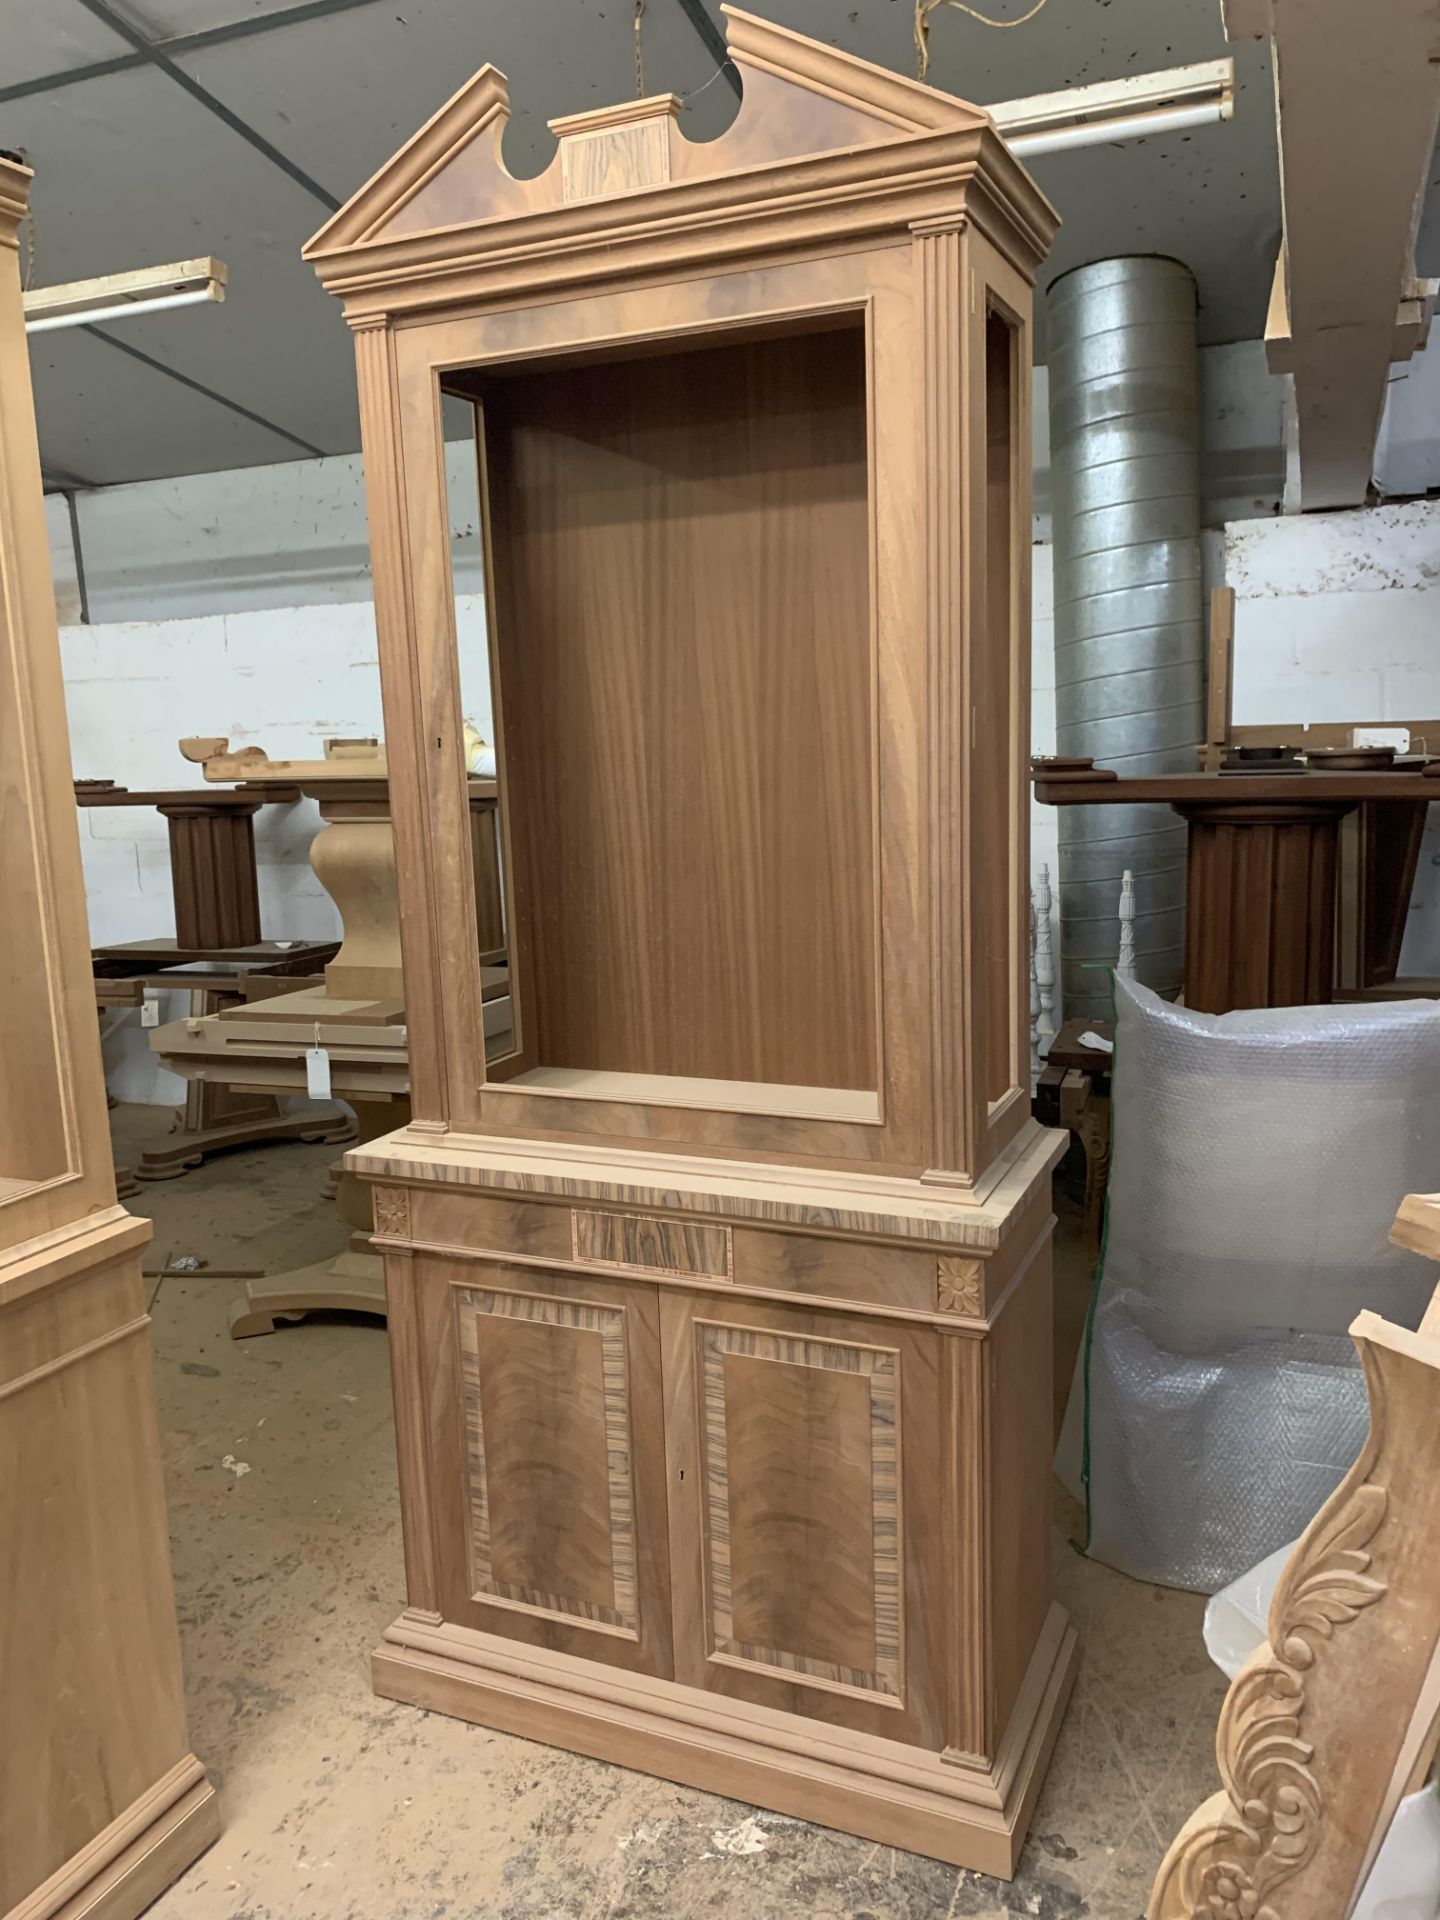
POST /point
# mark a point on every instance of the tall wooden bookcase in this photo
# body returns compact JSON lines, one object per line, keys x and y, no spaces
{"x":101,"y":1801}
{"x":721,"y":1306}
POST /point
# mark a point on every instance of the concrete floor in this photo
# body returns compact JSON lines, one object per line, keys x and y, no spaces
{"x":284,"y":1517}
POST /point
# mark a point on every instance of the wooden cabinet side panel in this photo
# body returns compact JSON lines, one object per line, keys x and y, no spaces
{"x":55,"y":1162}
{"x":805,"y":1562}
{"x":1020,"y":1449}
{"x":543,"y":1458}
{"x":90,"y":1677}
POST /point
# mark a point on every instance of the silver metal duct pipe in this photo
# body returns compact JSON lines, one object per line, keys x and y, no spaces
{"x":1129,"y":670}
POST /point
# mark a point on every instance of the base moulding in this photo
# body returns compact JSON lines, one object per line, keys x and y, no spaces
{"x":956,"y":1811}
{"x":131,"y":1863}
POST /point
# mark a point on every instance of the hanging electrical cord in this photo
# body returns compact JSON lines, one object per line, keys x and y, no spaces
{"x":923,"y":10}
{"x":640,"y":50}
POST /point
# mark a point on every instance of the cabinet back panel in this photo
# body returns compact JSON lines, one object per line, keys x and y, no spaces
{"x":682,"y":598}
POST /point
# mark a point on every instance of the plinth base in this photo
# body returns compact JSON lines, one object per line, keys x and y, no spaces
{"x":350,"y":1283}
{"x":950,"y":1807}
{"x":190,"y":1148}
{"x":128,"y":1866}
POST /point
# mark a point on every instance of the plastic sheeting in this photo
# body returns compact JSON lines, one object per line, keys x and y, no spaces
{"x":1258,"y":1160}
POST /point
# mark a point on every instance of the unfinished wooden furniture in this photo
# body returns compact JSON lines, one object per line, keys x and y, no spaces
{"x":102,"y":1802}
{"x":212,"y":855}
{"x":720,"y":1308}
{"x":260,"y":1047}
{"x":353,"y":856}
{"x":1378,"y":852}
{"x":1332,"y":1722}
{"x":217,"y":923}
{"x":257,"y":1048}
{"x":1263,"y":858}
{"x":1073,"y":1092}
{"x":216,"y":1117}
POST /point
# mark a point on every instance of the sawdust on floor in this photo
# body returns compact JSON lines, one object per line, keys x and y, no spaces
{"x":280,"y":1473}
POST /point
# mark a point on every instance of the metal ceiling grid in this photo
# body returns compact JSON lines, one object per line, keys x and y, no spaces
{"x":162,"y":127}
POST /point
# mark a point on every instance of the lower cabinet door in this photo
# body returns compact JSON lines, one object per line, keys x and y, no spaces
{"x":547,"y":1460}
{"x":804,"y":1457}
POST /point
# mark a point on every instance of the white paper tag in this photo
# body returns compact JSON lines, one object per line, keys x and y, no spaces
{"x":317,"y":1073}
{"x":149,"y":1013}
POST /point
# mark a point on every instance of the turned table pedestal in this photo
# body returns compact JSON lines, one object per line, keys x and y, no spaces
{"x":358,"y":1016}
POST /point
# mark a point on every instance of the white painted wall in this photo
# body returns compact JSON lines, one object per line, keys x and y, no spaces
{"x":228,"y":603}
{"x":1337,"y":617}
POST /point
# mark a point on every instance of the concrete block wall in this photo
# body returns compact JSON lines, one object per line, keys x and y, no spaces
{"x":283,"y":678}
{"x":1337,"y":618}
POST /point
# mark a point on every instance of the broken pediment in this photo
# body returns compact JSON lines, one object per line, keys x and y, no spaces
{"x":800,"y":99}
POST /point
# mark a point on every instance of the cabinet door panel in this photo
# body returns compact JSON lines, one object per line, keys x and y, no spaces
{"x":548,"y":1453}
{"x":797,"y":1584}
{"x":547,"y":1461}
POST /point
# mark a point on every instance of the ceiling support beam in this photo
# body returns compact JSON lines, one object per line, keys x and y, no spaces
{"x":175,"y":44}
{"x":1357,"y":90}
{"x":152,"y":53}
{"x":713,"y":41}
{"x":198,"y":386}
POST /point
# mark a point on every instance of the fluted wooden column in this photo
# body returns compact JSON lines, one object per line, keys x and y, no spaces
{"x":212,"y":866}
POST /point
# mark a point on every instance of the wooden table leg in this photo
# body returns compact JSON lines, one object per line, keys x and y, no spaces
{"x":1260,"y":903}
{"x":212,"y":869}
{"x":353,"y":857}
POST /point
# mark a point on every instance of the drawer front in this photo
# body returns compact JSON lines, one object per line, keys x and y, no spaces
{"x":650,"y":1243}
{"x":674,"y":1248}
{"x":806,"y":1264}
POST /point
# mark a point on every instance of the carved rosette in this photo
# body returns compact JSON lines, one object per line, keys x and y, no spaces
{"x":1243,"y":1844}
{"x":392,"y":1212}
{"x":960,"y":1286}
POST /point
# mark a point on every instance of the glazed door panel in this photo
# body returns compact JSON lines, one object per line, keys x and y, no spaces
{"x":547,"y":1461}
{"x":796,"y":1442}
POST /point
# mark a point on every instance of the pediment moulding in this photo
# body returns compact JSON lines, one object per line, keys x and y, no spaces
{"x":808,"y":161}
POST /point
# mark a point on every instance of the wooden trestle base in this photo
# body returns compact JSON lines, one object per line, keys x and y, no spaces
{"x":349,"y":1282}
{"x":950,"y":1806}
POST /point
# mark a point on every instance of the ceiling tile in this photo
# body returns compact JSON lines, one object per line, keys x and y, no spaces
{"x":45,"y":39}
{"x":104,"y":418}
{"x":162,"y":19}
{"x":135,"y":172}
{"x":341,"y":94}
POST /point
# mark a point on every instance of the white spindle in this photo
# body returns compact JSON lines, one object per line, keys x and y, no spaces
{"x":1125,"y":964}
{"x":1044,"y":966}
